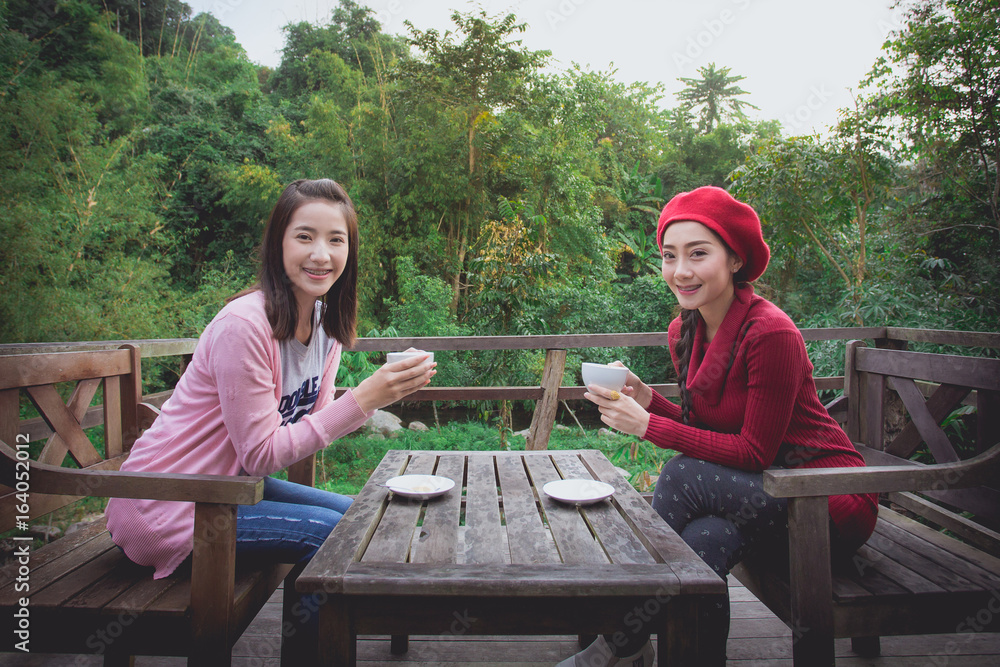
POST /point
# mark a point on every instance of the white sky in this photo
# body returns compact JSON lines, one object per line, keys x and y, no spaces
{"x":799,"y":57}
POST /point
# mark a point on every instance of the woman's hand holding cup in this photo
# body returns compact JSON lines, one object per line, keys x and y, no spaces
{"x":400,"y":377}
{"x":613,"y":392}
{"x":635,"y":387}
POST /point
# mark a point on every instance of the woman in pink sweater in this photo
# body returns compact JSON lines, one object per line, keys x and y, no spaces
{"x":259,"y":392}
{"x":748,"y":403}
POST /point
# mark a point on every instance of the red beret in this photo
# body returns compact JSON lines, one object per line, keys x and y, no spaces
{"x":737,"y":223}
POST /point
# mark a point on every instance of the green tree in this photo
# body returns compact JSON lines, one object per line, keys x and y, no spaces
{"x":83,"y":252}
{"x":352,"y":34}
{"x":208,"y":117}
{"x":937,"y":85}
{"x":510,"y":271}
{"x":938,"y":81}
{"x":715,"y":95}
{"x":821,"y":194}
{"x":695,"y":159}
{"x":469,"y":82}
{"x":581,"y":154}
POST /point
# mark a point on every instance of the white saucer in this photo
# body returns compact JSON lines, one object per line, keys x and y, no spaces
{"x":420,"y":486}
{"x":578,"y":491}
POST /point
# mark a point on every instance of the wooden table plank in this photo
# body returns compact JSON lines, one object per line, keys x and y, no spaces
{"x":571,"y":533}
{"x":349,"y":539}
{"x":528,"y":539}
{"x":615,"y":535}
{"x":437,"y":539}
{"x":528,"y":580}
{"x":514,"y":596}
{"x":391,"y":540}
{"x":484,"y":542}
{"x":662,"y":542}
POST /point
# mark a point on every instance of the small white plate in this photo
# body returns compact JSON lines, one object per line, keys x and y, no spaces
{"x":420,"y":486}
{"x":578,"y":491}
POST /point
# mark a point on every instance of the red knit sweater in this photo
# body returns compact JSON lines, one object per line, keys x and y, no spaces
{"x":761,"y":412}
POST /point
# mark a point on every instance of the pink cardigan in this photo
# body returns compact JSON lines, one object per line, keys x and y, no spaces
{"x":223,"y":419}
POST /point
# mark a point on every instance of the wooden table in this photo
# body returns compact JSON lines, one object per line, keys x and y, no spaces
{"x":495,"y":555}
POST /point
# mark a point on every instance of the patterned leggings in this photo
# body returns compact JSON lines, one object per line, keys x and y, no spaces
{"x":722,"y":513}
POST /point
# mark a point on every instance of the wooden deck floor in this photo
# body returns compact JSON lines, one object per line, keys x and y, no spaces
{"x":757,"y":637}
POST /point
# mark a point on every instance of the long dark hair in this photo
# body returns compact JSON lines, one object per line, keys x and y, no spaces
{"x":340,"y":310}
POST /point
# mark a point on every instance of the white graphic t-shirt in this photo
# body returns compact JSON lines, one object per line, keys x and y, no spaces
{"x":301,"y":371}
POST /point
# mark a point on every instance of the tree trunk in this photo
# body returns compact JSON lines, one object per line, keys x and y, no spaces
{"x":456,"y":280}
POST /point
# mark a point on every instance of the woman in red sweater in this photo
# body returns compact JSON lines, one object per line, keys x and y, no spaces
{"x":748,"y":403}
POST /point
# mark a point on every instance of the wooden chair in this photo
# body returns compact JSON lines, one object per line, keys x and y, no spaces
{"x":82,"y":594}
{"x":909,"y":578}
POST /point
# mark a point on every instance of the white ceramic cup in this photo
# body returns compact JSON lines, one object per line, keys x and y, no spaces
{"x":602,"y":375}
{"x":393,"y":357}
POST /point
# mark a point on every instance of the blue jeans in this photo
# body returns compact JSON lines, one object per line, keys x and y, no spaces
{"x":289,"y":526}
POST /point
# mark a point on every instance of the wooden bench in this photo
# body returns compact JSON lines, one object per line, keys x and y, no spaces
{"x":80,"y":594}
{"x":910,"y":578}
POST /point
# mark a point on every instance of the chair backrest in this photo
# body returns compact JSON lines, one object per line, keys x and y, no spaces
{"x":930,"y":387}
{"x":44,"y":379}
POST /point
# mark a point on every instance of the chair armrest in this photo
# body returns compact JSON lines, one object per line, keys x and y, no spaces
{"x":45,"y":478}
{"x":976,"y":471}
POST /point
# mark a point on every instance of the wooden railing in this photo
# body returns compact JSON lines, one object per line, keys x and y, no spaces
{"x":549,"y":392}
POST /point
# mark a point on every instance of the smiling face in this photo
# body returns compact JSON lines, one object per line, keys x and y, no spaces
{"x":699,"y":269}
{"x":314,"y":250}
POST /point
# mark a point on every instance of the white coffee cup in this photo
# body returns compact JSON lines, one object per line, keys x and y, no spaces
{"x":603,"y":375}
{"x":393,"y":357}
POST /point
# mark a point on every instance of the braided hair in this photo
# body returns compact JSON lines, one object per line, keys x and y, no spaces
{"x":689,"y":324}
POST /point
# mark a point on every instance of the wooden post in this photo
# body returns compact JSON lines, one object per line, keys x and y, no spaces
{"x":894,"y":414}
{"x":9,"y":416}
{"x":185,"y":361}
{"x":304,"y":471}
{"x":987,"y":419}
{"x":544,"y":417}
{"x":852,"y":390}
{"x":873,"y":420}
{"x":213,"y":566}
{"x":335,"y":622}
{"x":298,"y":646}
{"x":812,"y":581}
{"x":131,"y":397}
